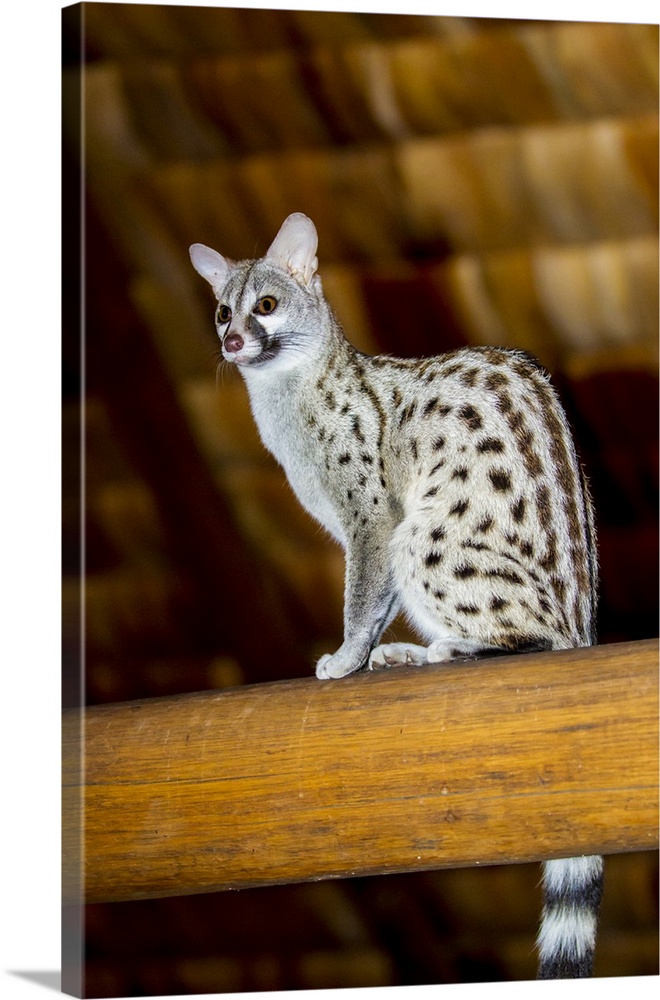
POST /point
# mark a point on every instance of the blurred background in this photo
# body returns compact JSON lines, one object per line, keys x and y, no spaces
{"x":473,"y":181}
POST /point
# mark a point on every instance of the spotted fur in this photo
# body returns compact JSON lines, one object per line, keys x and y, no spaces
{"x":452,"y":484}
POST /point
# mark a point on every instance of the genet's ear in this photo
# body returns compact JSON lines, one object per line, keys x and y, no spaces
{"x":294,"y":247}
{"x":211,"y":265}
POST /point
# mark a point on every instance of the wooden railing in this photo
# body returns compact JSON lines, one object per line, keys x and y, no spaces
{"x":507,"y":760}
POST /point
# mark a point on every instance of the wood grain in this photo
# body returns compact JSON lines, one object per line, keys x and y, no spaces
{"x":502,"y":761}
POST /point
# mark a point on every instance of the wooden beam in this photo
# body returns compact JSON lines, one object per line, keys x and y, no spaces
{"x":507,"y":760}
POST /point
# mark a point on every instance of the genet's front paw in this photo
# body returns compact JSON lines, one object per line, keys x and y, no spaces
{"x":336,"y":665}
{"x":397,"y":654}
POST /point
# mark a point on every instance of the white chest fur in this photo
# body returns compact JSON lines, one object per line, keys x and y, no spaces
{"x":278,"y":406}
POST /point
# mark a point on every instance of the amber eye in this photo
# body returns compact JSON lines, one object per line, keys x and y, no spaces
{"x":266,"y":305}
{"x":223,"y":315}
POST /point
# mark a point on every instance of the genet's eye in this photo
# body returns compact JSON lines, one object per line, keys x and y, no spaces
{"x":223,"y":315}
{"x":266,"y":305}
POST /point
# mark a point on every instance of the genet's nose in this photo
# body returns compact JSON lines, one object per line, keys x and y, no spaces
{"x":233,"y":343}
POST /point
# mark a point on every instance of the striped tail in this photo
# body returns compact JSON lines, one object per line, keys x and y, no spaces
{"x":572,"y":889}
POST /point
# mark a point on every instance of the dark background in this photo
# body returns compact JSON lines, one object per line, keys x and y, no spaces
{"x":472,"y":181}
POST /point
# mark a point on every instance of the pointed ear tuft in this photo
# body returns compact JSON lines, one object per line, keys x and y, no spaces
{"x":294,"y":248}
{"x":211,"y":265}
